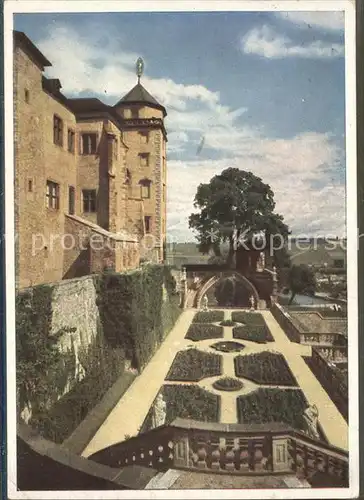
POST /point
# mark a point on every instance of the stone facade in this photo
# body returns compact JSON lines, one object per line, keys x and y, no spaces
{"x":81,"y":168}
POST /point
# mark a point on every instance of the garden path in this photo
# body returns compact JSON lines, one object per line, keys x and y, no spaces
{"x":129,"y":413}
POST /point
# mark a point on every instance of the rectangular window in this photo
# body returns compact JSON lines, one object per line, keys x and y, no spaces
{"x":144,"y":137}
{"x":135,"y":112}
{"x":89,"y":200}
{"x":71,"y":200}
{"x":148,"y":223}
{"x":57,"y":130}
{"x":145,"y":190}
{"x":164,"y":192}
{"x":26,"y":96}
{"x":144,"y":159}
{"x":116,"y":149}
{"x":52,"y":195}
{"x":88,"y":144}
{"x":71,"y":141}
{"x":30,"y":186}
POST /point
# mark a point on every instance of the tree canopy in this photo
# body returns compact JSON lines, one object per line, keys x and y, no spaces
{"x":235,"y":206}
{"x":301,"y":279}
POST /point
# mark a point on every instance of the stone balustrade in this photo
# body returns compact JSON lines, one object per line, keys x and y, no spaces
{"x":228,"y":448}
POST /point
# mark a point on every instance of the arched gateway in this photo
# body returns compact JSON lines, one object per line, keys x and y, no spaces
{"x":206,"y":284}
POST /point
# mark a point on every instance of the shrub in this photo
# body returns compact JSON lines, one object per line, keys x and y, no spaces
{"x":264,"y":368}
{"x":228,"y":346}
{"x":273,"y":405}
{"x":202,"y":332}
{"x":208,"y":317}
{"x":193,"y":365}
{"x":248,"y":318}
{"x":190,"y":401}
{"x":228,"y":384}
{"x":227,"y":322}
{"x":254,"y":333}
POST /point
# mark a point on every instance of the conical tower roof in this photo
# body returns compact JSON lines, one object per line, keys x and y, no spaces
{"x":139,"y":95}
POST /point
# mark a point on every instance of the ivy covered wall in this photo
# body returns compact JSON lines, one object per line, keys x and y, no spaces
{"x":75,"y":338}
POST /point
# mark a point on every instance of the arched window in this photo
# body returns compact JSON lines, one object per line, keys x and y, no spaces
{"x":127,"y":177}
{"x":145,"y":188}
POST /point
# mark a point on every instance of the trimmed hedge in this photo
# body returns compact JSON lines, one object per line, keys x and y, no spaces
{"x":248,"y":318}
{"x":193,"y":365}
{"x":273,"y":405}
{"x":133,"y":314}
{"x":208,"y":317}
{"x":190,"y":401}
{"x":228,"y":346}
{"x":265,"y":368}
{"x":228,"y":384}
{"x":255,"y":333}
{"x":200,"y":331}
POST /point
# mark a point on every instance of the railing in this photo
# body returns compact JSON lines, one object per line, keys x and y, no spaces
{"x":228,"y":449}
{"x":285,"y":322}
{"x":331,"y":379}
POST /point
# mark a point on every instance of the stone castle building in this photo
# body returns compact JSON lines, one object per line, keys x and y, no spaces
{"x":90,"y":179}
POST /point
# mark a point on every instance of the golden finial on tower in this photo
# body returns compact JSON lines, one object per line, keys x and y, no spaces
{"x":139,"y":68}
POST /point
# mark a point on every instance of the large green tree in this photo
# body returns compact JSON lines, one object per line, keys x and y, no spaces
{"x":234,"y":207}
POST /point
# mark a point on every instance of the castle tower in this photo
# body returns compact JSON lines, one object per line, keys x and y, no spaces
{"x":145,"y":138}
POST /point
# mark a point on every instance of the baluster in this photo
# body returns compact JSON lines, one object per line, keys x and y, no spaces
{"x":202,"y":454}
{"x":230,"y":455}
{"x":215,"y":455}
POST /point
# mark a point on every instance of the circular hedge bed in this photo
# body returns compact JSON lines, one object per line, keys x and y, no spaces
{"x":254,"y":333}
{"x":208,"y":317}
{"x":265,"y":368}
{"x":228,"y":384}
{"x":273,"y":405}
{"x":190,"y":401}
{"x":193,"y":365}
{"x":228,"y":346}
{"x":228,"y":322}
{"x":200,"y":331}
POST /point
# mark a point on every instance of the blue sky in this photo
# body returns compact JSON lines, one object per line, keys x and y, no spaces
{"x":265,"y":90}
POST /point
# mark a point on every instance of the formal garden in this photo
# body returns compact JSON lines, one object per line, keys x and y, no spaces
{"x":193,"y":365}
{"x":208,"y":317}
{"x":266,"y":368}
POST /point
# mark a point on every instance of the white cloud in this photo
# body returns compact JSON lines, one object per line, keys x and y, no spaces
{"x":265,"y":42}
{"x":291,"y":166}
{"x":324,"y":20}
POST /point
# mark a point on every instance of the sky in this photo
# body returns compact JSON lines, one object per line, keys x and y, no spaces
{"x":260,"y":91}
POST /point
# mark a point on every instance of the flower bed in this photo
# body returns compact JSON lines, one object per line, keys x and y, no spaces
{"x":265,"y":368}
{"x":273,"y":405}
{"x":227,"y":322}
{"x":200,"y":331}
{"x":228,"y":346}
{"x":254,"y":333}
{"x":228,"y":384}
{"x":208,"y":317}
{"x":190,"y":401}
{"x":248,"y":318}
{"x":193,"y":365}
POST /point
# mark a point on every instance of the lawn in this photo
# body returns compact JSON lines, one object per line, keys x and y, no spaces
{"x":273,"y":405}
{"x":265,"y":368}
{"x":193,"y":365}
{"x":200,"y":331}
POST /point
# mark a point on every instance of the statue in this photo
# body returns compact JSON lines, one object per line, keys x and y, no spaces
{"x":139,"y":68}
{"x":310,"y":416}
{"x":184,"y":274}
{"x":252,"y":303}
{"x":205,"y":301}
{"x":159,"y":411}
{"x":261,"y":262}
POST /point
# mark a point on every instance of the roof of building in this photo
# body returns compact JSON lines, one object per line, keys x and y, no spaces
{"x":22,"y":39}
{"x":139,"y":95}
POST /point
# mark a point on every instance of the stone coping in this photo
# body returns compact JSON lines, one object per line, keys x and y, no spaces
{"x":122,"y":236}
